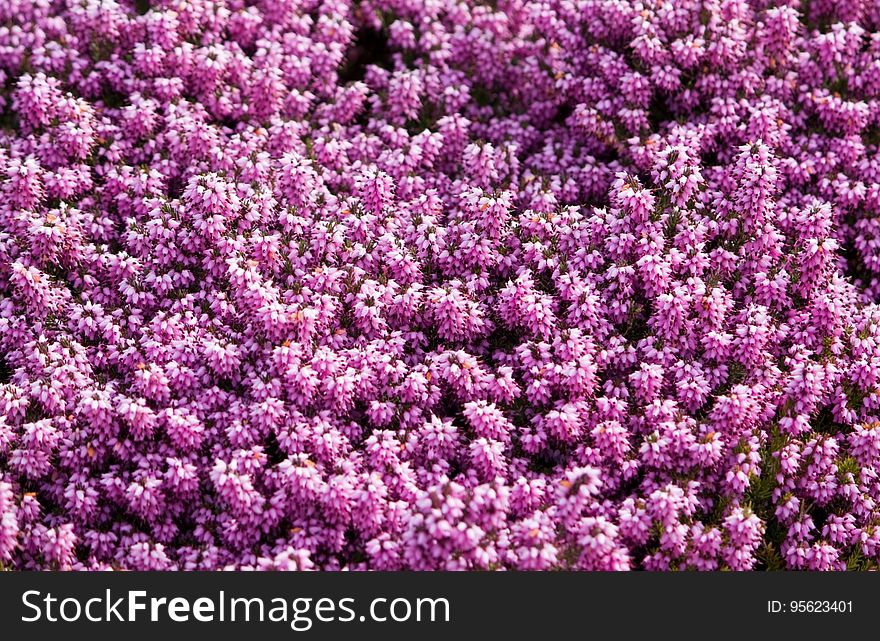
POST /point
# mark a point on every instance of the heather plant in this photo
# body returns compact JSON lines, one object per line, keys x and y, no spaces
{"x":448,"y":285}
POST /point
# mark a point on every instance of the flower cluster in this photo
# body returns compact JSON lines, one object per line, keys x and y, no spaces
{"x":393,"y":284}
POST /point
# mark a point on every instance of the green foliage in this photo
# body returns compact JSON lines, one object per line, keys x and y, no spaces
{"x":858,"y":562}
{"x":759,"y":498}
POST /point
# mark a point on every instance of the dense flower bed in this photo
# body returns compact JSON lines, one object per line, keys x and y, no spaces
{"x":435,"y":284}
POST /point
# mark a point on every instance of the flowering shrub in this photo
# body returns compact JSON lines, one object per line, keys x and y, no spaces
{"x":396,"y":284}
